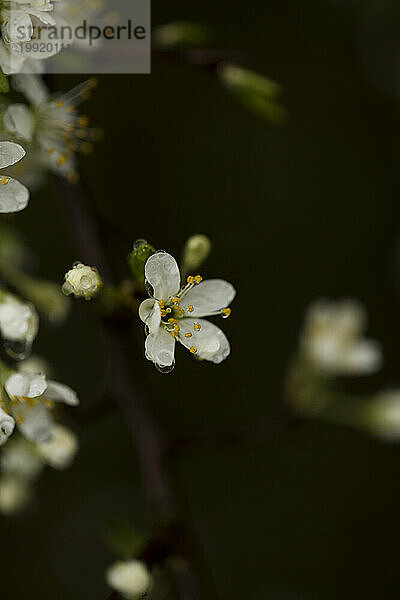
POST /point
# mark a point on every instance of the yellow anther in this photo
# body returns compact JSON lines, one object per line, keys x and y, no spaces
{"x":4,"y":180}
{"x":181,"y":311}
{"x":188,"y":334}
{"x":20,"y":419}
{"x":168,"y":310}
{"x":227,"y":312}
{"x":193,"y":349}
{"x":161,"y":304}
{"x":174,"y":334}
{"x":163,"y":313}
{"x":172,"y":321}
{"x":190,"y":279}
{"x":83,"y":121}
{"x":176,"y":300}
{"x":49,"y":403}
{"x":62,"y":160}
{"x":60,"y":104}
{"x":190,"y":308}
{"x":197,"y":326}
{"x":198,"y":278}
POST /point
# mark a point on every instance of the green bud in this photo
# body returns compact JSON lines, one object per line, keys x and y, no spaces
{"x":173,"y":35}
{"x":195,"y":252}
{"x":138,"y":258}
{"x":256,"y":92}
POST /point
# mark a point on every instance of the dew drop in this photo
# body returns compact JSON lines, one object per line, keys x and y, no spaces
{"x":139,"y":243}
{"x":166,"y":369}
{"x":17,"y":350}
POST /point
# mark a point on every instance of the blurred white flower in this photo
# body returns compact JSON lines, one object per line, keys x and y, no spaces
{"x":19,"y":458}
{"x":130,"y":578}
{"x":383,"y":416}
{"x":174,"y":313}
{"x":18,"y":320}
{"x":60,"y":450}
{"x":333,"y":341}
{"x":13,"y":195}
{"x":15,"y":494}
{"x":82,"y":281}
{"x":31,"y":399}
{"x":195,"y":252}
{"x":51,"y":123}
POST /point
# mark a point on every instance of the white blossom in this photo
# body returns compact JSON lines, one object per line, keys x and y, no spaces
{"x":60,"y":450}
{"x":333,"y":339}
{"x":7,"y":425}
{"x":31,"y":399}
{"x":82,"y":281}
{"x":20,"y":459}
{"x":175,"y":313}
{"x":13,"y":195}
{"x":51,"y":124}
{"x":19,"y":321}
{"x":130,"y":578}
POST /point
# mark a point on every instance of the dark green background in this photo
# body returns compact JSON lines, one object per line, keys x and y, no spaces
{"x":294,"y":212}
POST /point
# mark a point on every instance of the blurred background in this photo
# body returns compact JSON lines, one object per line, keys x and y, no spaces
{"x":305,"y":209}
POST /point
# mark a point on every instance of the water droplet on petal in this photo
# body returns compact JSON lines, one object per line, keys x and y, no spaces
{"x":139,"y":243}
{"x":17,"y":350}
{"x":166,"y":369}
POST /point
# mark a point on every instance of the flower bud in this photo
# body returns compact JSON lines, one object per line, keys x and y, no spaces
{"x":130,"y":578}
{"x":60,"y":450}
{"x":195,"y":252}
{"x":82,"y":281}
{"x":18,"y":320}
{"x":138,"y":258}
{"x":178,"y":34}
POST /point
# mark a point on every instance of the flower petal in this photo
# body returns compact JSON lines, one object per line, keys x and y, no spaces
{"x":7,"y":425}
{"x":58,"y":392}
{"x":208,"y":297}
{"x":162,"y":273}
{"x":31,"y":86}
{"x":18,"y":119}
{"x":150,"y":314}
{"x":363,"y":358}
{"x":210,"y":342}
{"x":10,"y":153}
{"x":26,"y":385}
{"x":160,"y":348}
{"x":34,"y":422}
{"x":13,"y":196}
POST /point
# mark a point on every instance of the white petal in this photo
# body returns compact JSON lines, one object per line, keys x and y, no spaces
{"x":150,"y":314}
{"x":10,"y":153}
{"x":18,"y":320}
{"x":60,"y":450}
{"x":7,"y":425}
{"x":208,"y":297}
{"x":160,"y":348}
{"x":210,"y":342}
{"x":13,"y":196}
{"x":34,"y":423}
{"x":32,"y":87}
{"x":18,"y":119}
{"x":162,"y":273}
{"x":58,"y":392}
{"x":365,"y":357}
{"x":26,"y":385}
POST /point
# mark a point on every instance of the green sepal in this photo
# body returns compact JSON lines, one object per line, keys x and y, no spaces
{"x":137,"y":259}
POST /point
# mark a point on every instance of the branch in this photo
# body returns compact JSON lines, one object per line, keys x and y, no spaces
{"x":130,"y":392}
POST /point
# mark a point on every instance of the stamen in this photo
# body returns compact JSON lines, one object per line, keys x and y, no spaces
{"x":193,"y":349}
{"x":226,"y":313}
{"x":168,"y":310}
{"x":176,"y":300}
{"x":161,"y":304}
{"x":190,"y":279}
{"x":172,"y":321}
{"x":197,"y":326}
{"x":190,"y":308}
{"x":4,"y":180}
{"x":198,"y":279}
{"x":163,"y":313}
{"x":188,"y":334}
{"x":60,"y":104}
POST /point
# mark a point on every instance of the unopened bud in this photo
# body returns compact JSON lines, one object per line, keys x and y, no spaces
{"x":130,"y":578}
{"x":195,"y":252}
{"x":60,"y":450}
{"x":137,"y":259}
{"x":82,"y":281}
{"x":174,"y":35}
